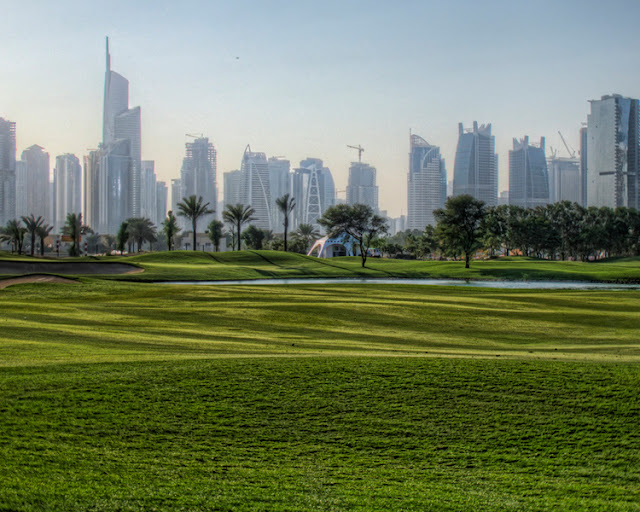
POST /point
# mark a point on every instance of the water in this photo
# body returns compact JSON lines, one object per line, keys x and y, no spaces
{"x":507,"y":285}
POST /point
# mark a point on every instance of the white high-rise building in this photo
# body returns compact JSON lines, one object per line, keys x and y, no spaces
{"x":198,"y":174}
{"x":37,"y":200}
{"x":255,"y":169}
{"x":161,"y":203}
{"x":426,"y":183}
{"x":565,"y":182}
{"x":7,"y":171}
{"x":68,"y":189}
{"x":313,"y":189}
{"x":279,"y":185}
{"x":148,"y":190}
{"x":234,"y":192}
{"x":613,"y":141}
{"x":362,"y":188}
{"x":528,"y":175}
{"x":475,"y":170}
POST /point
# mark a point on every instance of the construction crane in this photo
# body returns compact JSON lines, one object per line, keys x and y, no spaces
{"x":571,"y":151}
{"x":359,"y":149}
{"x":195,"y":135}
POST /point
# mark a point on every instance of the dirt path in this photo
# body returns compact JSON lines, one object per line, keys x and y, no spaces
{"x":68,"y":267}
{"x":34,"y":279}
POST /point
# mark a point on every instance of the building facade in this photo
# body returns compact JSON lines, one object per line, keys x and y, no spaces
{"x":7,"y":171}
{"x":313,"y":189}
{"x":279,"y":185}
{"x":37,"y":187}
{"x":198,"y":174}
{"x":362,"y":188}
{"x":67,"y":188}
{"x":475,"y":169}
{"x":426,"y":183}
{"x":257,"y":187}
{"x":565,"y":179}
{"x":612,"y":152}
{"x":528,"y":174}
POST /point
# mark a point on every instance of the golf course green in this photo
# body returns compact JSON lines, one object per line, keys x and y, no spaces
{"x":121,"y":393}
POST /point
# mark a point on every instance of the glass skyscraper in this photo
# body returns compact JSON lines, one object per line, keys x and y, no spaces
{"x":426,"y":183}
{"x":528,"y":174}
{"x":475,"y":169}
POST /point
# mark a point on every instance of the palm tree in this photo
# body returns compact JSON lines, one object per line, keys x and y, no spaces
{"x":237,"y":215}
{"x":286,"y":205}
{"x":43,"y":232}
{"x":32,"y":224}
{"x":141,"y":229}
{"x":74,"y":228}
{"x":307,"y":233}
{"x":14,"y":233}
{"x":122,"y":237}
{"x":170,"y":228}
{"x":193,"y":209}
{"x":215,"y":231}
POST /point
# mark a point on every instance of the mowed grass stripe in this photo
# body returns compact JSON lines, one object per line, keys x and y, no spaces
{"x":99,"y":319}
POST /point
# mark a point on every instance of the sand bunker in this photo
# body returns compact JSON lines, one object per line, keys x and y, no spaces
{"x":67,"y":267}
{"x":34,"y":279}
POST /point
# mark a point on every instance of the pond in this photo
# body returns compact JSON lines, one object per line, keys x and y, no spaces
{"x":508,"y":285}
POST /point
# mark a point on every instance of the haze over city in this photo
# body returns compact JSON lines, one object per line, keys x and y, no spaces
{"x":306,"y":79}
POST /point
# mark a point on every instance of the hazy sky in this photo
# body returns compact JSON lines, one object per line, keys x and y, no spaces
{"x":306,"y":78}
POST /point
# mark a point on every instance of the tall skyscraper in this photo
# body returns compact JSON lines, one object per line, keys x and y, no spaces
{"x":613,"y":144}
{"x":234,"y":192}
{"x":7,"y":171}
{"x":148,"y":190}
{"x":528,"y":174}
{"x":176,"y":196}
{"x":565,"y":180}
{"x":38,"y":183}
{"x":119,"y":194}
{"x":255,"y":169}
{"x":475,"y":170}
{"x":313,"y":189}
{"x":583,"y":165}
{"x":362,"y":188}
{"x":279,"y":185}
{"x":198,"y":174}
{"x":427,"y":183}
{"x":161,"y":203}
{"x":67,"y":187}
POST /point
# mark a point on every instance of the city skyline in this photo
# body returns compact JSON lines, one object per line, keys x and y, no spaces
{"x":307,"y":99}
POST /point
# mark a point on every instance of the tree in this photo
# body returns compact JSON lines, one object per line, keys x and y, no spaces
{"x":253,"y":237}
{"x":306,"y":234}
{"x":358,"y":221}
{"x":141,"y":230}
{"x":122,"y":237}
{"x":192,"y":208}
{"x":216,"y":232}
{"x":32,"y":224}
{"x":170,"y":228}
{"x":43,"y":232}
{"x":286,"y":205}
{"x":74,"y":228}
{"x":459,"y":225}
{"x":14,"y":233}
{"x":238,"y":215}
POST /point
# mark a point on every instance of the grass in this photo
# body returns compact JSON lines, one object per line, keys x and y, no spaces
{"x":139,"y":396}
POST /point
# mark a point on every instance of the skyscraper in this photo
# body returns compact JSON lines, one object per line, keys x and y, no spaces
{"x":198,"y":174}
{"x":313,"y":189}
{"x":119,"y":181}
{"x":475,"y":170}
{"x":565,"y":181}
{"x":362,"y":188}
{"x":613,"y":141}
{"x":279,"y":185}
{"x":583,"y":166}
{"x":38,"y":183}
{"x":7,"y":171}
{"x":161,"y":203}
{"x":234,"y":188}
{"x":148,"y":190}
{"x":528,"y":174}
{"x":67,"y":187}
{"x":255,"y":169}
{"x":427,"y":183}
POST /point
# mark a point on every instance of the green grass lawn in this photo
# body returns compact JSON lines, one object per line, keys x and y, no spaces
{"x":139,"y":396}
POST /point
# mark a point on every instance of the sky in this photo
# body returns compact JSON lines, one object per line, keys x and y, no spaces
{"x":307,"y":78}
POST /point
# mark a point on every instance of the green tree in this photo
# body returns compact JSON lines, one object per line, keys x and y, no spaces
{"x":238,"y":215}
{"x":459,"y":225}
{"x":215,"y":230}
{"x":358,"y":220}
{"x":32,"y":224}
{"x":14,"y":233}
{"x":192,"y":208}
{"x":43,"y":232}
{"x":306,"y":234}
{"x":170,"y":228}
{"x":253,"y":237}
{"x":74,"y":228}
{"x":141,"y":230}
{"x":122,"y":237}
{"x":286,"y":205}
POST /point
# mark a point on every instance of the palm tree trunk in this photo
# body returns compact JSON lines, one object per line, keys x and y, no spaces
{"x":194,"y":234}
{"x":286,"y":226}
{"x":238,"y":235}
{"x":33,"y":242}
